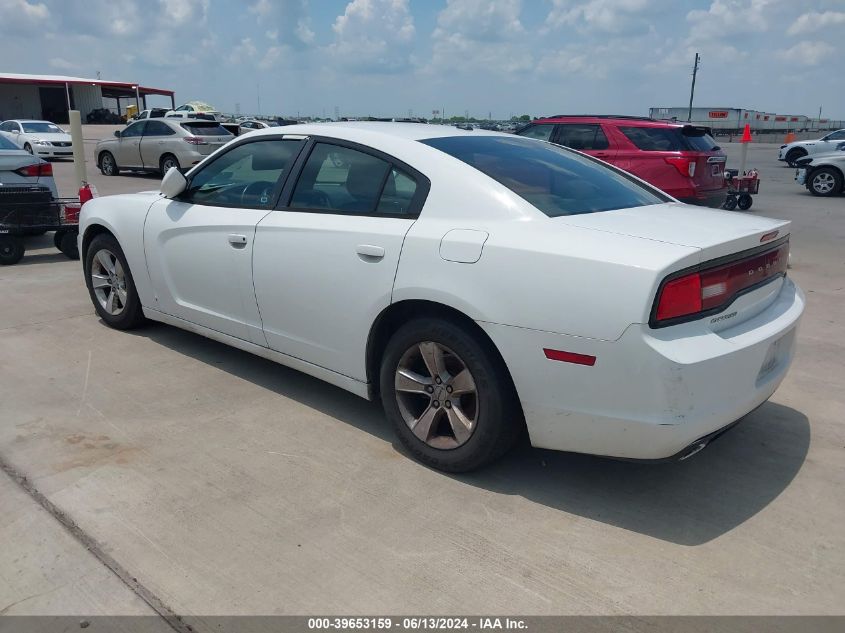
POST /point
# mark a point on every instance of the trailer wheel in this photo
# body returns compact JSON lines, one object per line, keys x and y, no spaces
{"x":745,"y":201}
{"x":68,"y":244}
{"x":730,"y":203}
{"x":11,"y":249}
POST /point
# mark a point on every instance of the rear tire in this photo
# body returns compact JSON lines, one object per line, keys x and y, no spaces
{"x":730,"y":203}
{"x":167,"y":161}
{"x":108,"y":165}
{"x":745,"y":201}
{"x":115,"y":298}
{"x":825,"y":182}
{"x":12,"y":249}
{"x":457,"y":419}
{"x":793,"y":155}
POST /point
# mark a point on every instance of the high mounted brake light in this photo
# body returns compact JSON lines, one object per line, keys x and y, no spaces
{"x":712,"y":287}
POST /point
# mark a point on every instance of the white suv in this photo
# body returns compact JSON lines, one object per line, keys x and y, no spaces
{"x":791,"y":152}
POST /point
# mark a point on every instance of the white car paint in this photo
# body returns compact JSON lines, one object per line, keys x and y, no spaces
{"x":47,"y":144}
{"x":305,"y":289}
{"x":823,"y":145}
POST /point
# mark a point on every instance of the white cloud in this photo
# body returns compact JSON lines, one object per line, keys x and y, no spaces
{"x":261,"y":8}
{"x":243,"y":52}
{"x":807,"y":53}
{"x":726,"y":18}
{"x":23,"y":10}
{"x":373,"y":36}
{"x":608,"y":16}
{"x":481,"y":35}
{"x":812,"y":22}
{"x":62,"y":64}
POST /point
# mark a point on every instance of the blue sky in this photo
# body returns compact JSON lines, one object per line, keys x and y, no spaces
{"x":389,"y":57}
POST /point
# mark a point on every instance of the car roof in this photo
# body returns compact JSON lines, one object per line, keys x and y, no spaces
{"x":30,"y":121}
{"x":356,"y":130}
{"x":597,"y":118}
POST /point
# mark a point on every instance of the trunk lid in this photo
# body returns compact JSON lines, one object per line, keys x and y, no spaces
{"x":716,"y":233}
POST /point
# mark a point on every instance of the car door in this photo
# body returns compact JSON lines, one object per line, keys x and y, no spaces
{"x":325,"y":260}
{"x":156,"y":136}
{"x":128,"y":148}
{"x":589,"y":138}
{"x":199,"y":247}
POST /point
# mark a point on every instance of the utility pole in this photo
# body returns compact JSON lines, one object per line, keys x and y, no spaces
{"x":692,"y":88}
{"x":258,"y":91}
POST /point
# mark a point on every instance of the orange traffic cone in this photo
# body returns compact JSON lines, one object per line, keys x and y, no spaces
{"x":790,"y":137}
{"x":746,"y":134}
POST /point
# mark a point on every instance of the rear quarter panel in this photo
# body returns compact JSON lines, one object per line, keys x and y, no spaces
{"x":541,"y":275}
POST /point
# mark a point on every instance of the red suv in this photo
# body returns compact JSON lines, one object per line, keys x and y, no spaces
{"x":682,"y":160}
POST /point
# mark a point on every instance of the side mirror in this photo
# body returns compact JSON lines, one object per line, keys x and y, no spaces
{"x":173,"y":183}
{"x":117,"y":133}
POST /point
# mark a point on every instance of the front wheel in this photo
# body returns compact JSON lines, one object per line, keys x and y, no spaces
{"x":825,"y":182}
{"x":108,"y":165}
{"x":793,"y":155}
{"x":730,"y":203}
{"x":448,"y":396}
{"x":110,"y":284}
{"x":28,"y":148}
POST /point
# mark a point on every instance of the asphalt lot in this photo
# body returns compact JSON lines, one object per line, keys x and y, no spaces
{"x":229,"y":485}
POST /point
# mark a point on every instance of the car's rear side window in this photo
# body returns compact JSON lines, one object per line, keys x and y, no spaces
{"x":206,"y":129}
{"x":542,"y":131}
{"x":553,"y":179}
{"x":655,"y":139}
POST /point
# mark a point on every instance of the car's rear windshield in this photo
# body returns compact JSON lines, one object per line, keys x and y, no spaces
{"x":555,"y":180}
{"x":670,"y":139}
{"x":7,"y":144}
{"x":212,"y":128}
{"x":41,"y":127}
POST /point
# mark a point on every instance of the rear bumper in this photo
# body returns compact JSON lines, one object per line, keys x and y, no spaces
{"x":651,"y":394}
{"x":714,"y":198}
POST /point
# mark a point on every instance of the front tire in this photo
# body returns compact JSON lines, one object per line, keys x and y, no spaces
{"x":793,"y":155}
{"x":825,"y":182}
{"x":108,"y":165}
{"x":28,"y":148}
{"x":448,"y":396}
{"x":110,"y":284}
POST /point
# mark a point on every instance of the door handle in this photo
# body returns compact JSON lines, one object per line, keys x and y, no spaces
{"x":369,"y":252}
{"x":237,"y":241}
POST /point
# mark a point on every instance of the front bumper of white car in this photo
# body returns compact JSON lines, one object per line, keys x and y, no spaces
{"x":652,"y":394}
{"x":52,"y":151}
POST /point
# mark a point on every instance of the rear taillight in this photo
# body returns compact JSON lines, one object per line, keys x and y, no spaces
{"x":36,"y":171}
{"x":195,"y":140}
{"x":711,"y":288}
{"x":684,"y":165}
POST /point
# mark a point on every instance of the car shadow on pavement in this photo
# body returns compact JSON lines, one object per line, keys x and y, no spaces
{"x":687,"y":503}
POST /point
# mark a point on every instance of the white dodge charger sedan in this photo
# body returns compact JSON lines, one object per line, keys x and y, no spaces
{"x":478,"y":283}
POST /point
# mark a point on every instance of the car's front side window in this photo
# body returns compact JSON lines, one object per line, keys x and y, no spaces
{"x":245,"y":176}
{"x":582,"y":136}
{"x":136,"y":129}
{"x":341,"y":180}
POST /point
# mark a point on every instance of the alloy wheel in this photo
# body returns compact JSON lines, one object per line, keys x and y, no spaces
{"x":437,"y":395}
{"x":823,"y":182}
{"x":108,"y":279}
